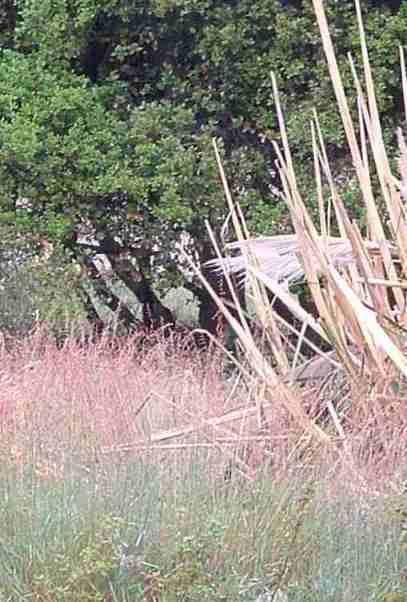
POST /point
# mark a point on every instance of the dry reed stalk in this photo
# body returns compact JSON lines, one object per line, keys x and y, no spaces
{"x":323,"y":221}
{"x":348,"y":276}
{"x":341,"y":216}
{"x":374,"y":131}
{"x":360,"y":167}
{"x":261,"y":303}
{"x":263,"y":369}
{"x":390,"y":194}
{"x":403,"y":79}
{"x":302,"y":222}
{"x":362,"y":327}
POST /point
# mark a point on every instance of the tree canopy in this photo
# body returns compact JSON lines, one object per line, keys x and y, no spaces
{"x":108,"y":108}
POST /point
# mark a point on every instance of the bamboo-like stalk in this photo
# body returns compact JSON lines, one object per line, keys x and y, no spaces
{"x":262,"y":367}
{"x":349,"y":276}
{"x":383,"y":170}
{"x":318,"y":180}
{"x":262,"y":305}
{"x":390,"y":194}
{"x":342,"y":219}
{"x":361,"y":169}
{"x":403,"y":79}
{"x":306,"y":232}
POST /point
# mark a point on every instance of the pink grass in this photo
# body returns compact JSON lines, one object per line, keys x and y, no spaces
{"x":117,"y":393}
{"x":58,"y":401}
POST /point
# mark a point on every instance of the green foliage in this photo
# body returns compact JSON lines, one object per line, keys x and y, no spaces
{"x":177,"y":177}
{"x":59,"y":144}
{"x":190,"y":577}
{"x":180,"y":53}
{"x":99,"y":99}
{"x":8,"y":10}
{"x":185,"y":50}
{"x":82,"y":575}
{"x":175,"y":168}
{"x":200,"y":544}
{"x":36,"y":290}
{"x":57,"y":29}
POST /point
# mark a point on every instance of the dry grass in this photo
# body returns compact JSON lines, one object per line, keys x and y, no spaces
{"x":68,"y":403}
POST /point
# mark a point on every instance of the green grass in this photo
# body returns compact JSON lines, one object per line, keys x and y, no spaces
{"x":127,"y":528}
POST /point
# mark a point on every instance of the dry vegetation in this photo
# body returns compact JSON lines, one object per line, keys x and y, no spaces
{"x":356,"y":278}
{"x":152,"y":475}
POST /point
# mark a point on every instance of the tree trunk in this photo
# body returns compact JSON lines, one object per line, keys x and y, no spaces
{"x":210,"y":316}
{"x":155,"y":314}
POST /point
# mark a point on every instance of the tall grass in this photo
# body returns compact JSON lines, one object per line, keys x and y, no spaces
{"x":124,"y":477}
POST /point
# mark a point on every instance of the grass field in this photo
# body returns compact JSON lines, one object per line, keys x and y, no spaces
{"x":100,"y":500}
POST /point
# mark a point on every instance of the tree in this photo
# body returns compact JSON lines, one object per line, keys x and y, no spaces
{"x":108,"y":109}
{"x":8,"y":15}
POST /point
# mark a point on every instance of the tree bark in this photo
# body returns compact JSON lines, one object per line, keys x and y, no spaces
{"x":210,"y":316}
{"x":155,"y":314}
